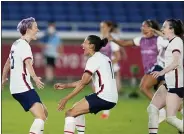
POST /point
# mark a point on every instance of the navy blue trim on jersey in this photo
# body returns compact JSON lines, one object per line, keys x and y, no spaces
{"x":24,"y":64}
{"x":24,"y":79}
{"x":27,"y":99}
{"x":176,"y":78}
{"x":87,"y":71}
{"x":97,"y":104}
{"x":176,"y":50}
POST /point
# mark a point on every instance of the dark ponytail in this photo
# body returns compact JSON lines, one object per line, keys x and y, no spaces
{"x":104,"y":42}
{"x":177,"y":25}
{"x":98,"y":43}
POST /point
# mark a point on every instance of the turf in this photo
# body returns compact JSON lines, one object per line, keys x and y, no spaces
{"x":128,"y":117}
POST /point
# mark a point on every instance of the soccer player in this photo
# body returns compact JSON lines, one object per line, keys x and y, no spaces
{"x":20,"y":65}
{"x":152,"y":51}
{"x":173,"y":70}
{"x":112,"y":50}
{"x":99,"y":69}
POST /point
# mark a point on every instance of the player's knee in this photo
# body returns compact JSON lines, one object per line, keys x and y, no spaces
{"x":69,"y":113}
{"x":42,"y":116}
{"x":152,"y":109}
{"x":46,"y":113}
{"x":142,"y":87}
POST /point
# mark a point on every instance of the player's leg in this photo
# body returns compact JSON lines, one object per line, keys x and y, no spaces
{"x":158,"y":102}
{"x":49,"y":69}
{"x":106,"y":113}
{"x":147,"y":82}
{"x":80,"y":123}
{"x":173,"y":102}
{"x":39,"y":112}
{"x":75,"y":116}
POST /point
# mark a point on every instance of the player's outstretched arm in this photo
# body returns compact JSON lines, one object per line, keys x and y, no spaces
{"x":159,"y":33}
{"x":86,"y":78}
{"x":6,"y":69}
{"x":61,"y":86}
{"x":36,"y":79}
{"x":122,"y":43}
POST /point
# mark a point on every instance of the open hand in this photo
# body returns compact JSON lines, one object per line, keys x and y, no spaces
{"x":62,"y":104}
{"x":156,"y":74}
{"x":39,"y":83}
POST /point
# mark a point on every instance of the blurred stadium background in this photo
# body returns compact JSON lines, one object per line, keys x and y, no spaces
{"x":74,"y":21}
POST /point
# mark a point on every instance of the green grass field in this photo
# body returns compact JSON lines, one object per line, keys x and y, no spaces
{"x":128,"y":117}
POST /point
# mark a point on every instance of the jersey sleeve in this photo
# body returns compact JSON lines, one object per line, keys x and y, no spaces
{"x":177,"y":45}
{"x":26,"y":52}
{"x":137,"y":40}
{"x":162,"y":43}
{"x":91,"y":66}
{"x":114,"y":47}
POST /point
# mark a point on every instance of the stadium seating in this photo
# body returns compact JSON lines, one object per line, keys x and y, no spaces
{"x":122,"y":12}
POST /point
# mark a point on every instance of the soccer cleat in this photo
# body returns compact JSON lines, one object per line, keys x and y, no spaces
{"x":104,"y":116}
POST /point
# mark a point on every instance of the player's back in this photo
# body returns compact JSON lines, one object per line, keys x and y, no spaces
{"x":19,"y":76}
{"x":103,"y":79}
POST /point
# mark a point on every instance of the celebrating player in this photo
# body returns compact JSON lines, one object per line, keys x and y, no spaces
{"x":99,"y":69}
{"x":19,"y":64}
{"x":152,"y":51}
{"x":173,"y":30}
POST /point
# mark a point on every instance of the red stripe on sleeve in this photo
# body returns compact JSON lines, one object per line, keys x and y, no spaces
{"x":24,"y":79}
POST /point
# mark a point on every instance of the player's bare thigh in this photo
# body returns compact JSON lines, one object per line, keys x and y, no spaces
{"x":148,"y":81}
{"x":173,"y":102}
{"x":79,"y":108}
{"x":159,"y":98}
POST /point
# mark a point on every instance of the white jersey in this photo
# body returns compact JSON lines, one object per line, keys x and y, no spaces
{"x":100,"y":67}
{"x":19,"y":76}
{"x":161,"y":46}
{"x":115,"y":47}
{"x":174,"y":78}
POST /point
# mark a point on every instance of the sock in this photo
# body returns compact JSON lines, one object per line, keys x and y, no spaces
{"x":153,"y":119}
{"x":80,"y":124}
{"x":174,"y":121}
{"x":69,"y":127}
{"x":106,"y":112}
{"x":162,"y":115}
{"x":42,"y":130}
{"x":37,"y":126}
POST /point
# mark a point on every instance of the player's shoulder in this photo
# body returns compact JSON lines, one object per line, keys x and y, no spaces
{"x":97,"y":57}
{"x":176,"y":41}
